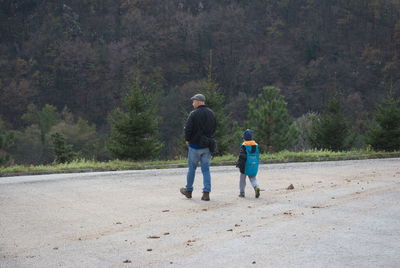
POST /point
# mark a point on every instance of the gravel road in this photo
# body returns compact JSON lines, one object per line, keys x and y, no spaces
{"x":339,"y":214}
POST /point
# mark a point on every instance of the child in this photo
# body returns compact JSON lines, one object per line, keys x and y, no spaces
{"x":248,"y":163}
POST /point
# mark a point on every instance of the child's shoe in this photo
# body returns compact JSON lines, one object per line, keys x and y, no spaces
{"x":241,"y":194}
{"x":257,"y":190}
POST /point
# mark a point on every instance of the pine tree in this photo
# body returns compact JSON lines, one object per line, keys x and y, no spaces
{"x":134,"y":131}
{"x":63,"y":151}
{"x":216,"y":101}
{"x":269,"y":118}
{"x":384,"y":133}
{"x":331,"y":131}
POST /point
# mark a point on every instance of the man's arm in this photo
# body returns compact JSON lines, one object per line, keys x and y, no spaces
{"x":189,"y":128}
{"x":214,"y":123}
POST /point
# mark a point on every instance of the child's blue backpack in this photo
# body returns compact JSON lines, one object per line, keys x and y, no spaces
{"x":252,"y":161}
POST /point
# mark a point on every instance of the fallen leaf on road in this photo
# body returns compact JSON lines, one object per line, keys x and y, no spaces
{"x":290,"y":187}
{"x":127,"y":261}
{"x":153,"y":237}
{"x":167,"y":210}
{"x":149,"y":249}
{"x":229,"y":230}
{"x":166,"y":233}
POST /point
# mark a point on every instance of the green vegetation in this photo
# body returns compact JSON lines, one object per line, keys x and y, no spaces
{"x":325,"y":155}
{"x":270,"y":120}
{"x":384,"y":133}
{"x":281,"y":157}
{"x":62,"y":150}
{"x":134,"y":132}
{"x":87,"y":165}
{"x":331,"y":130}
{"x":215,"y":100}
{"x":67,"y":66}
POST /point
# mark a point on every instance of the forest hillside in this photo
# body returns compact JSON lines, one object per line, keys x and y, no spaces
{"x":65,"y":66}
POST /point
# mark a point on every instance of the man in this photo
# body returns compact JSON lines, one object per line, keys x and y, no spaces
{"x":200,"y":127}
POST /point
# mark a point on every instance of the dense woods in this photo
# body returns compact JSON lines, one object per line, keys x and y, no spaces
{"x":66,"y":66}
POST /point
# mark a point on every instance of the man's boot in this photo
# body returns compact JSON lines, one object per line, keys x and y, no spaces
{"x":186,"y":193}
{"x":206,"y":196}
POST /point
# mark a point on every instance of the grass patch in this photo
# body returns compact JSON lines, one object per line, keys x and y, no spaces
{"x":324,"y":155}
{"x":281,"y":157}
{"x":312,"y":154}
{"x":88,"y":165}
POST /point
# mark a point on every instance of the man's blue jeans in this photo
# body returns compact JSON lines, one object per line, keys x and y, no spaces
{"x":194,"y":157}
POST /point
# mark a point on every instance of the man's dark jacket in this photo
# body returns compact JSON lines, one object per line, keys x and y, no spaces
{"x":201,"y":121}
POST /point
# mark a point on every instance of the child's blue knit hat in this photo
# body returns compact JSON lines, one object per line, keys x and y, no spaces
{"x":248,"y":135}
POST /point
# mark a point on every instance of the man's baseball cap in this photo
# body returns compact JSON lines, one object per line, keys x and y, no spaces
{"x":199,"y":97}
